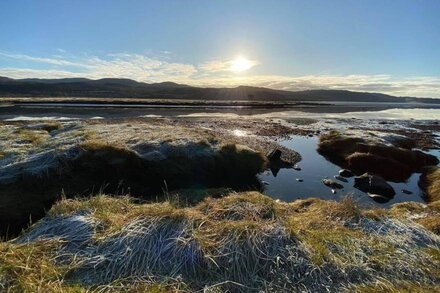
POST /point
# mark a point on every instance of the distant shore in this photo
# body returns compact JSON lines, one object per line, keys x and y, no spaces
{"x":85,"y":108}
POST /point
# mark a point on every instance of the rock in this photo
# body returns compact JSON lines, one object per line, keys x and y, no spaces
{"x":391,"y":169}
{"x":297,"y":168}
{"x":332,"y":184}
{"x":274,"y":155}
{"x":299,"y":180}
{"x":379,"y":198}
{"x":333,"y":191}
{"x":374,"y":184}
{"x":340,"y":178}
{"x":310,"y":135}
{"x":345,"y":173}
{"x":265,"y":183}
{"x":406,"y":191}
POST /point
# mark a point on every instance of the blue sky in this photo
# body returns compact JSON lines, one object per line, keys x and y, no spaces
{"x":386,"y":46}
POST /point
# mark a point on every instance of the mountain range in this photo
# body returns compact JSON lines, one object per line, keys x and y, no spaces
{"x":127,"y":88}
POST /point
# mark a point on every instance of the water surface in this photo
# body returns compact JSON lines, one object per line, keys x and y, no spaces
{"x":315,"y":167}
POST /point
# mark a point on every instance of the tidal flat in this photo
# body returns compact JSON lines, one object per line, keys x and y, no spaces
{"x":213,"y":203}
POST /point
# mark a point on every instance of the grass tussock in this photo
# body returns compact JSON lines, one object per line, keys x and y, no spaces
{"x":335,"y":143}
{"x":242,"y":242}
{"x":427,"y":216}
{"x":35,"y":137}
{"x":430,"y":183}
{"x":32,"y":268}
{"x":393,"y":163}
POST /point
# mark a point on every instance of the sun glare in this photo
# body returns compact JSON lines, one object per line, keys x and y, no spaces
{"x":241,"y":64}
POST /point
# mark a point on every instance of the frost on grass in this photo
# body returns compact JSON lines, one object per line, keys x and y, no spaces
{"x":39,"y":161}
{"x":242,"y":242}
{"x":32,"y":150}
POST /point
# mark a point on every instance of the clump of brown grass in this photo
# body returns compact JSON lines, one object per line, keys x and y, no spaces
{"x":430,"y":183}
{"x":32,"y":268}
{"x":242,"y":242}
{"x":431,"y":222}
{"x":337,"y":145}
{"x":32,"y":136}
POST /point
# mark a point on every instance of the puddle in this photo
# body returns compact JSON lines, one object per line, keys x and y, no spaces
{"x":314,"y":168}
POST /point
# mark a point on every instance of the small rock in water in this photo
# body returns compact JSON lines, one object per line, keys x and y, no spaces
{"x":379,"y":198}
{"x":346,"y":173}
{"x":310,"y":135}
{"x":265,"y":183}
{"x":297,"y":168}
{"x":274,"y":155}
{"x":333,"y":191}
{"x":332,"y":184}
{"x":406,"y":191}
{"x":299,"y":180}
{"x":340,"y":178}
{"x":374,"y":184}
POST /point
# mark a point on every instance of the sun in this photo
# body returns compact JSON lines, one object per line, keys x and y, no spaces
{"x":241,"y":64}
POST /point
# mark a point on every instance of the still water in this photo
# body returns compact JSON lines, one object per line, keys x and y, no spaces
{"x":314,"y":168}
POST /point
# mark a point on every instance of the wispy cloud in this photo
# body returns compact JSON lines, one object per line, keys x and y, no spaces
{"x":53,"y":61}
{"x":221,"y":66}
{"x":213,"y":73}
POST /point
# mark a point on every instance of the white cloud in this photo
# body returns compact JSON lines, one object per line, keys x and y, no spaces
{"x":133,"y":66}
{"x":214,"y":73}
{"x":219,"y":66}
{"x":53,"y":61}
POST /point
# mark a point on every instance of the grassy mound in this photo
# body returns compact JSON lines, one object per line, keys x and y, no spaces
{"x":80,"y":159}
{"x":243,"y":242}
{"x":430,"y":183}
{"x":392,"y":163}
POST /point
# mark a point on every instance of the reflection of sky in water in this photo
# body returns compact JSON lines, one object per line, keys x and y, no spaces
{"x":392,"y":114}
{"x":400,"y":114}
{"x":315,"y":167}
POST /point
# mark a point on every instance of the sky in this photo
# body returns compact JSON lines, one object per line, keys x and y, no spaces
{"x":389,"y":46}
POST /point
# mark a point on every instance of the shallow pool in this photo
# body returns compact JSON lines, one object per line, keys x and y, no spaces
{"x":314,"y":167}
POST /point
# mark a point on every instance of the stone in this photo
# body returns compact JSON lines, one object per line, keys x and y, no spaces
{"x":374,"y":184}
{"x":406,"y":191}
{"x":379,"y":198}
{"x":332,"y":184}
{"x":345,"y":173}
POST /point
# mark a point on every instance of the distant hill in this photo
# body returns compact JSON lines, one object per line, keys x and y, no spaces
{"x":127,"y":88}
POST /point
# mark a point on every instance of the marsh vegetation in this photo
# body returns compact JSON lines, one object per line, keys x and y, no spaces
{"x":175,"y":205}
